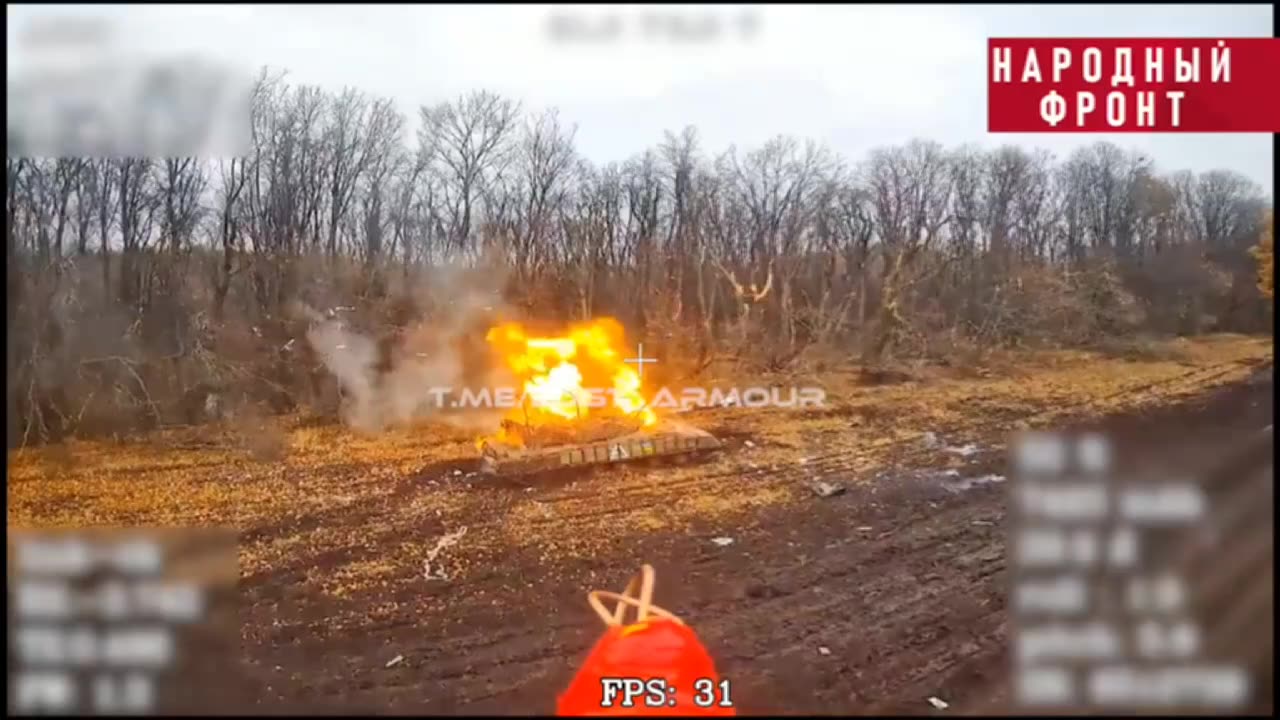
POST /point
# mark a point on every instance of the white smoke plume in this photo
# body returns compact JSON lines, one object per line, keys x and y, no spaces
{"x":388,"y":385}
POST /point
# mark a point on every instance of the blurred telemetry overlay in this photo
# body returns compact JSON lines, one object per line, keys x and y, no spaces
{"x":76,"y":88}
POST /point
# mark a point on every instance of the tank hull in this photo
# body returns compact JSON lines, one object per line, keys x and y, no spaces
{"x":665,"y":440}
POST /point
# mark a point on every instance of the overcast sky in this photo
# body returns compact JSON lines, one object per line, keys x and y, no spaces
{"x":855,"y":77}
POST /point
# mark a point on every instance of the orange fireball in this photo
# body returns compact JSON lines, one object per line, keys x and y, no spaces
{"x":568,"y":377}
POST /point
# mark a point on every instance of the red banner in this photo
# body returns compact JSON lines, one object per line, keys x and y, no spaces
{"x":1133,"y":85}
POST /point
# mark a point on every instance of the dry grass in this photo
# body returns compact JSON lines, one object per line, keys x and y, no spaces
{"x":372,"y":507}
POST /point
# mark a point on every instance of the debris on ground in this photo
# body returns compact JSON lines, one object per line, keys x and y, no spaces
{"x":963,"y":450}
{"x":826,"y":489}
{"x":824,"y":650}
{"x":748,"y":443}
{"x":938,"y":703}
{"x":722,"y":541}
{"x":448,"y":540}
{"x":956,"y":486}
{"x":932,"y":441}
{"x":395,"y":661}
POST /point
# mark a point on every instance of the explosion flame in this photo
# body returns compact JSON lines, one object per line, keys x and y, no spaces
{"x":567,"y":378}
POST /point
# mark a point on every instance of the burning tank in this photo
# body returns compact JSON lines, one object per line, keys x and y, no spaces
{"x":581,"y":405}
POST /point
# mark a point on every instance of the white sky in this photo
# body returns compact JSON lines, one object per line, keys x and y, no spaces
{"x":853,"y":76}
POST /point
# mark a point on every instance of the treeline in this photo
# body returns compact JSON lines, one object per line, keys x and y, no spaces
{"x":139,"y":288}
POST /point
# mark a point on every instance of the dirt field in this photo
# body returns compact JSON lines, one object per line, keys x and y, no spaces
{"x":870,"y":601}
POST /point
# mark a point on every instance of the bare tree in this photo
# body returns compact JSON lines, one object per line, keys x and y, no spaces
{"x":470,"y":136}
{"x":911,"y":189}
{"x":234,"y":176}
{"x":385,"y":157}
{"x":748,"y":297}
{"x":137,"y":201}
{"x":345,"y":150}
{"x":545,"y":162}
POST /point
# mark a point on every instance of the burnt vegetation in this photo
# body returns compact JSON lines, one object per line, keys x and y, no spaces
{"x":158,"y":292}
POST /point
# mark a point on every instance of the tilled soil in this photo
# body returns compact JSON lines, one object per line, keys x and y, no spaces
{"x":870,"y":601}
